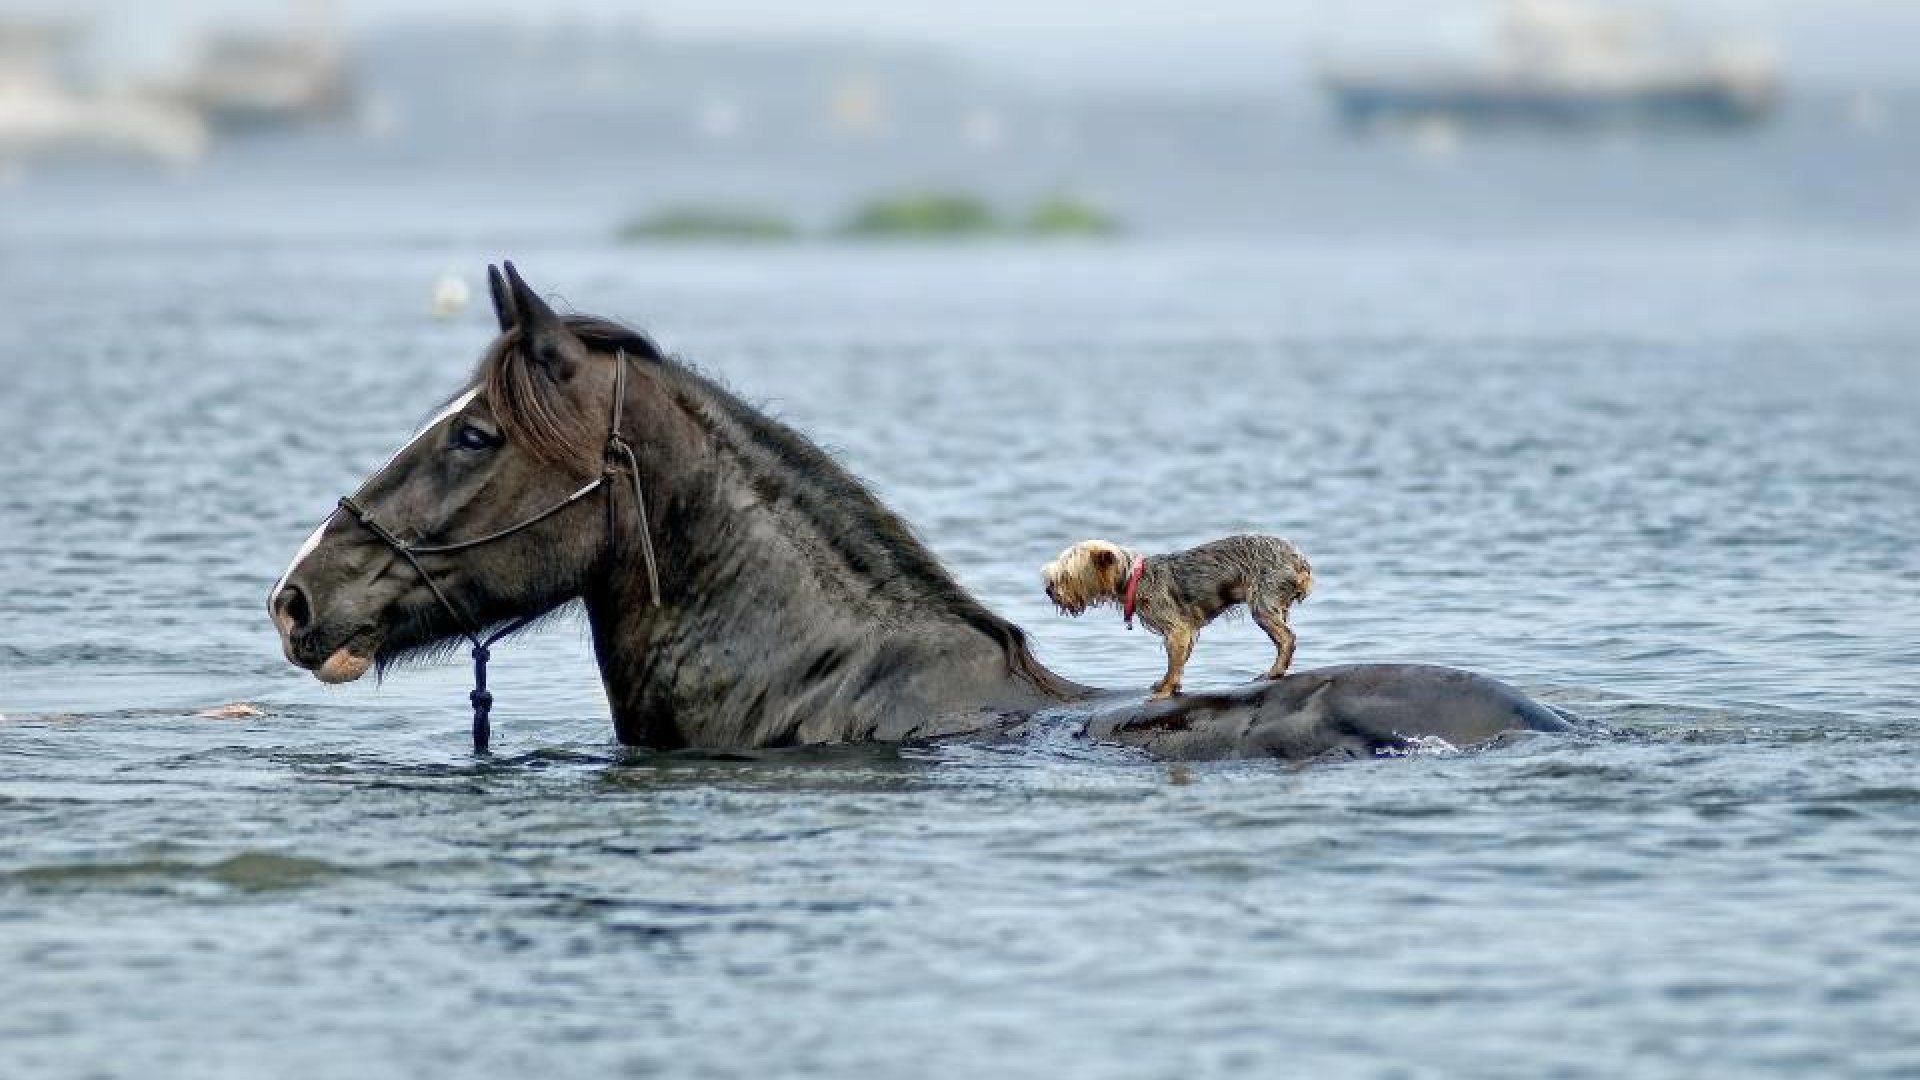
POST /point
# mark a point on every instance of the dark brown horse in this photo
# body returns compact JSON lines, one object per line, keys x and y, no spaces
{"x":743,"y":589}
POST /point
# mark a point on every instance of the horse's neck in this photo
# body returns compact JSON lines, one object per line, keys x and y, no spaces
{"x":766,"y":636}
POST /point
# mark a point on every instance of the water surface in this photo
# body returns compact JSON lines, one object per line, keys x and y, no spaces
{"x":1664,"y":479}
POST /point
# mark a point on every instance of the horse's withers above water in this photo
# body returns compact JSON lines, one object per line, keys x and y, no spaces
{"x":789,"y":605}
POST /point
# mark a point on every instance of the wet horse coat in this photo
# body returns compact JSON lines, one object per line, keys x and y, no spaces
{"x":794,"y":607}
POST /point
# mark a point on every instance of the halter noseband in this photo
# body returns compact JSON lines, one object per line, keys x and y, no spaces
{"x":618,"y":450}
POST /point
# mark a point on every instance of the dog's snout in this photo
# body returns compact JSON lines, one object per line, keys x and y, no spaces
{"x":1050,"y":595}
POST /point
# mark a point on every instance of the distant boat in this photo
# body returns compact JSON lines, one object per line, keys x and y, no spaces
{"x":250,"y":81}
{"x":1567,"y":64}
{"x":43,"y":115}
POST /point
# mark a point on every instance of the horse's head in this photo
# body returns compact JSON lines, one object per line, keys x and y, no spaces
{"x":530,"y":435}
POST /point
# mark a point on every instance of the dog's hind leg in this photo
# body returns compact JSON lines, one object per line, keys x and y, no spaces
{"x":1275,"y":624}
{"x":1179,"y":647}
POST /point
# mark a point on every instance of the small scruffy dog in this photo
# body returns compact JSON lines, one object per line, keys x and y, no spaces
{"x":1175,"y":595}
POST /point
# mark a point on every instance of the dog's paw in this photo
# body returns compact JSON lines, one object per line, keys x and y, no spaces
{"x":1162,"y":693}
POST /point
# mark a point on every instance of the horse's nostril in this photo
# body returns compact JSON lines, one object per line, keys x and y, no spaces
{"x":292,"y":610}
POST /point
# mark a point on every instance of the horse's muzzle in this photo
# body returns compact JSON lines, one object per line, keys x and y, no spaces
{"x":293,"y":617}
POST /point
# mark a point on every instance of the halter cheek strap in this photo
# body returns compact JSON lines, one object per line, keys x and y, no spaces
{"x":618,"y":451}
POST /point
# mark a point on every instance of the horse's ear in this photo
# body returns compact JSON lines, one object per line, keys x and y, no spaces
{"x":544,"y":337}
{"x":527,"y":304}
{"x":502,"y":299}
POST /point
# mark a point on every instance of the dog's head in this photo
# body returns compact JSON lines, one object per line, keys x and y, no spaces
{"x":1088,"y":573}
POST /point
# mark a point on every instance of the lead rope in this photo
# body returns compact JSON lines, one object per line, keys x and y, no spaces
{"x":481,"y":697}
{"x":617,"y":444}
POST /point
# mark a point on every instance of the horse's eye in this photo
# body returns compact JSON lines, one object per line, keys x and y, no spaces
{"x":468,"y":437}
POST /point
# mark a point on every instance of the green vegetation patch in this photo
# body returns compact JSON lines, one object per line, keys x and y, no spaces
{"x":1065,"y":215}
{"x":686,"y":224}
{"x":932,"y":214}
{"x":923,"y":215}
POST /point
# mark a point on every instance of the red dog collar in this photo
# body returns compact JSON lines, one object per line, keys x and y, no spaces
{"x":1133,"y":587}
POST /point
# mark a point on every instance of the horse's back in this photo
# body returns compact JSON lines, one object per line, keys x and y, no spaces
{"x":1356,"y":710}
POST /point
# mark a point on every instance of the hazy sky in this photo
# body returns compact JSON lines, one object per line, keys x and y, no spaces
{"x":1108,"y":41}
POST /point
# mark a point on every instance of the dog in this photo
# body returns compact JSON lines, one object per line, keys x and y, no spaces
{"x":1175,"y":595}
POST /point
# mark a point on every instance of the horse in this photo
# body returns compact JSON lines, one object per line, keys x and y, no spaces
{"x":744,"y":590}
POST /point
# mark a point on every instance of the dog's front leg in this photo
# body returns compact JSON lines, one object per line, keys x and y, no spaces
{"x":1179,"y":647}
{"x":1282,"y":637}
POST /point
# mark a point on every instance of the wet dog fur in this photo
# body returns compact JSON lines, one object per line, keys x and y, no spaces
{"x":1183,"y":591}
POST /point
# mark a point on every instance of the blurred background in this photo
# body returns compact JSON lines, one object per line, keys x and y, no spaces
{"x":743,"y":119}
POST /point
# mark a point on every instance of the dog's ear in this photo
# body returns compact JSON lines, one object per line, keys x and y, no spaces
{"x":1103,"y":558}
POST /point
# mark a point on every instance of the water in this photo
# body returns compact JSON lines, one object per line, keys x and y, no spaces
{"x":1664,"y":477}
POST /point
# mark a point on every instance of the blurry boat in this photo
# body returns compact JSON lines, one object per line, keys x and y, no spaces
{"x":44,"y":115}
{"x":1568,"y":64}
{"x":253,"y":80}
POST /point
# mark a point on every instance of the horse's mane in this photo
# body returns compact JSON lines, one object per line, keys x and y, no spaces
{"x":784,"y":466}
